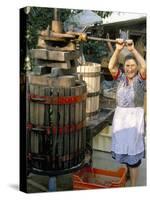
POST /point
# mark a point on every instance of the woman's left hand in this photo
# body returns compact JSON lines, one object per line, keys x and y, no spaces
{"x":130,"y":45}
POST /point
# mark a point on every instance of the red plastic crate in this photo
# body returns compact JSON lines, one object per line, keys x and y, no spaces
{"x":92,"y":178}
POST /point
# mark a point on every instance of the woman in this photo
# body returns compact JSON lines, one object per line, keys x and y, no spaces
{"x":128,"y":121}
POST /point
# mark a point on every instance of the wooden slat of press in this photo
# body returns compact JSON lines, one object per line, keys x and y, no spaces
{"x":32,"y":117}
{"x":55,"y":123}
{"x":42,"y":93}
{"x":31,"y":105}
{"x":61,"y":125}
{"x":64,"y":65}
{"x":86,"y":79}
{"x":72,"y":134}
{"x":48,"y":122}
{"x":40,"y":80}
{"x":88,"y":86}
{"x":36,"y":92}
{"x":84,"y":117}
{"x":77,"y":107}
{"x":51,"y":111}
{"x":41,"y":107}
{"x":34,"y":138}
{"x":54,"y":55}
{"x":32,"y":142}
{"x":39,"y":135}
{"x":66,"y":136}
{"x":80,"y":119}
{"x":28,"y":135}
{"x":27,"y":103}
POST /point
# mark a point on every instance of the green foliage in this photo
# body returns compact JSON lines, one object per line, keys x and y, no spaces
{"x":38,"y":19}
{"x":95,"y":50}
{"x":103,"y":14}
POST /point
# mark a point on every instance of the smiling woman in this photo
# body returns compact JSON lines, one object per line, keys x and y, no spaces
{"x":128,"y":121}
{"x":130,"y":66}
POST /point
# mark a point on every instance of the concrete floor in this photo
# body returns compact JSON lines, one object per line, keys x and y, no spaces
{"x":103,"y":160}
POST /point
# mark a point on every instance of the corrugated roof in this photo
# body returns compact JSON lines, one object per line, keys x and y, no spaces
{"x":126,"y":22}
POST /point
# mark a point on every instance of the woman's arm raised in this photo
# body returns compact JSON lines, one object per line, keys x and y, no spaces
{"x":114,"y":59}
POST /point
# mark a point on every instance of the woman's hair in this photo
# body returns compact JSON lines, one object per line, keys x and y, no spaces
{"x":129,"y":57}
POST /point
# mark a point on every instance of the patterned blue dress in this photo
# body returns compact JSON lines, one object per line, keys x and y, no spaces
{"x":128,"y":120}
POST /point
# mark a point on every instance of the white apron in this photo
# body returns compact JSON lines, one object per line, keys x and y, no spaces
{"x":128,"y":130}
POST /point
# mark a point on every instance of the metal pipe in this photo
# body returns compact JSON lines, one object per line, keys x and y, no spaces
{"x":52,"y":185}
{"x":101,"y":39}
{"x":90,"y":37}
{"x":108,"y":40}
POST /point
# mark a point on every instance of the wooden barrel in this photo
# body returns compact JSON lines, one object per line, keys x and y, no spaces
{"x":91,"y":75}
{"x":56,"y":113}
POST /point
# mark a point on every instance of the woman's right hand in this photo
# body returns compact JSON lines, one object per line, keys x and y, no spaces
{"x":130,"y":45}
{"x":120,"y":44}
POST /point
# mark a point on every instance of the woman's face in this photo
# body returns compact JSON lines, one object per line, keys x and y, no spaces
{"x":130,"y":68}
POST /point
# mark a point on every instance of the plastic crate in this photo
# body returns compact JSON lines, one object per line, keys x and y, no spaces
{"x":92,"y":178}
